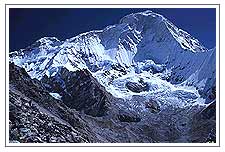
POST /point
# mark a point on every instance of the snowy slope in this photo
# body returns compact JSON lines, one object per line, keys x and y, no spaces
{"x":205,"y":77}
{"x":142,"y":46}
{"x":164,"y":43}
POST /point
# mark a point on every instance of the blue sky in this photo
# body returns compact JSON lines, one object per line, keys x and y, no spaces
{"x":27,"y":25}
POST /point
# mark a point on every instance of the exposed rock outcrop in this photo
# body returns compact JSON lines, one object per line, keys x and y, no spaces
{"x":80,"y":91}
{"x":204,"y":123}
{"x":137,"y":87}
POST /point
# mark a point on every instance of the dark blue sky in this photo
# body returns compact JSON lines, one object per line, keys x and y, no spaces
{"x":27,"y":25}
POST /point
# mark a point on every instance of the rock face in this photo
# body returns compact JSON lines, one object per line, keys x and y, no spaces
{"x":80,"y":91}
{"x":204,"y":123}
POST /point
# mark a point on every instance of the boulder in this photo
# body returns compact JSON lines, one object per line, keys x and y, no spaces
{"x":152,"y":105}
{"x":137,"y":87}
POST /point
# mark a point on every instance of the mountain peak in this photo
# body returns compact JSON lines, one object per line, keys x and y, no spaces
{"x":48,"y":40}
{"x":142,"y":21}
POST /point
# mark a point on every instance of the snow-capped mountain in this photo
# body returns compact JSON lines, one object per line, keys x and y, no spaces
{"x":141,"y":80}
{"x":143,"y":46}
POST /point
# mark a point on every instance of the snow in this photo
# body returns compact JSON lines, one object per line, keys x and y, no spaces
{"x":185,"y":40}
{"x":55,"y":95}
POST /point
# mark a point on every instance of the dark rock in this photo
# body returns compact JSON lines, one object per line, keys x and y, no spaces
{"x":203,"y":128}
{"x":137,"y":87}
{"x":120,"y":68}
{"x":14,"y":134}
{"x":211,"y":136}
{"x":152,"y":105}
{"x":209,"y":112}
{"x":80,"y":91}
{"x":128,"y":118}
{"x":210,"y":95}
